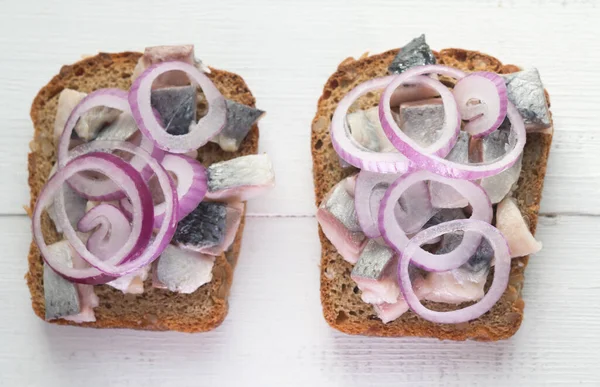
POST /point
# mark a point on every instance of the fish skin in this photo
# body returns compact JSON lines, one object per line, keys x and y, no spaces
{"x":422,"y":121}
{"x":176,"y":106}
{"x":60,"y":296}
{"x":240,"y":179}
{"x":510,"y":222}
{"x":365,"y":127}
{"x":337,"y":217}
{"x":183,"y":271}
{"x":232,"y":223}
{"x":240,"y":119}
{"x":415,"y":53}
{"x":373,"y":261}
{"x":203,"y":227}
{"x":526,"y":91}
{"x":443,"y":195}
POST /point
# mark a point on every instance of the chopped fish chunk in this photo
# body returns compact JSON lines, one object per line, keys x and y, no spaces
{"x":183,"y":271}
{"x":176,"y":106}
{"x":526,"y":91}
{"x":204,"y":227}
{"x":415,"y":53}
{"x":512,"y":225}
{"x":240,"y":119}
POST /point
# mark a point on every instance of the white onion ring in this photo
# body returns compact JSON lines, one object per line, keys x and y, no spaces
{"x":501,"y":271}
{"x":397,"y":239}
{"x":200,"y":133}
{"x":419,"y":156}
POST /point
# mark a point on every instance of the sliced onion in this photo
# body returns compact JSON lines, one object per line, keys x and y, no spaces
{"x":200,"y":133}
{"x":487,"y":115}
{"x":101,"y":189}
{"x":127,"y":179}
{"x":191,"y":187}
{"x":396,"y":237}
{"x":370,"y":190}
{"x":115,"y":266}
{"x":349,"y":149}
{"x":419,"y":156}
{"x":111,"y":230}
{"x":501,"y":270}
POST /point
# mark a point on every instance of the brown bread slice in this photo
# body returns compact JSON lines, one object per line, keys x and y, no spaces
{"x":155,"y":309}
{"x":340,"y":297}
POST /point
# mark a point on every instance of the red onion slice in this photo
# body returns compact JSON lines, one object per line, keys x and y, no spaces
{"x":111,"y":230}
{"x":501,"y":271}
{"x":412,"y":211}
{"x":396,"y":237}
{"x":191,"y":187}
{"x":349,"y":149}
{"x":162,"y":236}
{"x":200,"y":133}
{"x":127,"y":179}
{"x":487,"y":115}
{"x":419,"y":156}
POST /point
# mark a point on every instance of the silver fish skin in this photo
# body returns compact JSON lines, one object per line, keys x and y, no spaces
{"x":176,"y":107}
{"x":373,"y":261}
{"x":415,"y":53}
{"x":240,"y":179}
{"x":366,"y":129}
{"x":233,"y":218}
{"x":526,"y":91}
{"x":60,"y":296}
{"x":340,"y":203}
{"x":203,"y":227}
{"x":183,"y":271}
{"x":422,"y":121}
{"x":122,"y":129}
{"x":240,"y":119}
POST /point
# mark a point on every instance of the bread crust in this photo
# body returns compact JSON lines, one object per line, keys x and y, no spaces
{"x":340,"y":298}
{"x":155,"y":309}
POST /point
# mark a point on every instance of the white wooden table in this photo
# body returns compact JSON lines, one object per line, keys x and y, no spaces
{"x":274,"y":334}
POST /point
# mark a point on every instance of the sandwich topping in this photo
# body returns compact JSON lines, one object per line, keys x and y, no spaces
{"x":418,"y":221}
{"x":125,"y":192}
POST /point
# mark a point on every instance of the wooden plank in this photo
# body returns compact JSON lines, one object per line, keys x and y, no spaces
{"x":275,"y":334}
{"x":286,"y":51}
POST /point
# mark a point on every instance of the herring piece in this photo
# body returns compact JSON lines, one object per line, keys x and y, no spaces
{"x":240,"y":119}
{"x":465,"y":283}
{"x":240,"y":179}
{"x":493,"y":147}
{"x":67,"y":100}
{"x":158,"y":54}
{"x":60,"y":296}
{"x":512,"y":225}
{"x":415,"y":53}
{"x":443,"y":195}
{"x":204,"y":227}
{"x":176,"y":107}
{"x":422,"y":121}
{"x":122,"y":129}
{"x":63,"y":299}
{"x":388,"y":312}
{"x":365,"y":127}
{"x":233,"y":219}
{"x":374,"y":274}
{"x":373,"y":261}
{"x":75,"y":205}
{"x":337,"y":217}
{"x":526,"y":91}
{"x":94,"y":120}
{"x":183,"y":271}
{"x":131,"y":283}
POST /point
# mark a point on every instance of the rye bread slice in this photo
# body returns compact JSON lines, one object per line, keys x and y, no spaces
{"x":340,"y":297}
{"x":155,"y":309}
